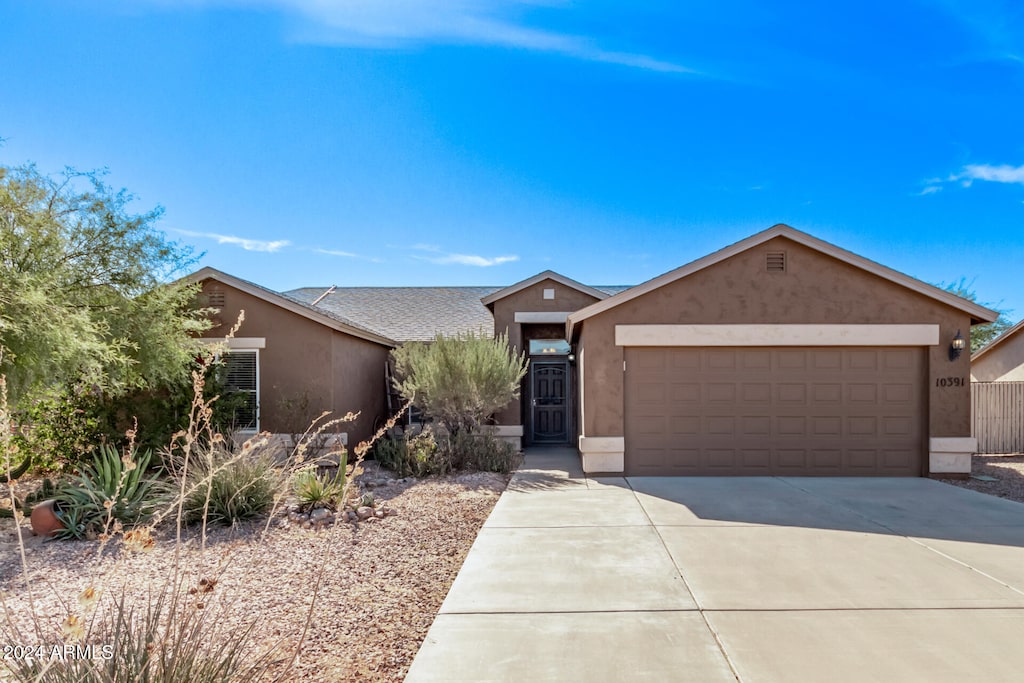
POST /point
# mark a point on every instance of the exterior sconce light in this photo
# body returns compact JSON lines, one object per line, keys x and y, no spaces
{"x":572,"y":358}
{"x":957,"y":346}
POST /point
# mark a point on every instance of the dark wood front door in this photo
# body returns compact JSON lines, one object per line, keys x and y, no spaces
{"x":549,"y":388}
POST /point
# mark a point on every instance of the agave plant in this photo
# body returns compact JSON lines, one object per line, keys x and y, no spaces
{"x":111,"y":487}
{"x":316,"y":490}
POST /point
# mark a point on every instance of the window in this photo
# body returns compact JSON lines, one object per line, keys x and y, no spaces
{"x":549,"y":347}
{"x":241,"y":376}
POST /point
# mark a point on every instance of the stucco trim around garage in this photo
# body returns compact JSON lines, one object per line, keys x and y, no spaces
{"x":540,"y":277}
{"x":602,"y":453}
{"x":540,"y":316}
{"x":1005,"y":336}
{"x":979,"y":314}
{"x":288,"y":304}
{"x":776,"y":335}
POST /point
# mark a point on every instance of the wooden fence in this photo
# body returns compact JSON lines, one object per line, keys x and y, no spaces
{"x":997,"y":410}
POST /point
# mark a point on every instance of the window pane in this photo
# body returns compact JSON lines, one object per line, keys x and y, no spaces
{"x":549,"y":347}
{"x":240,"y":368}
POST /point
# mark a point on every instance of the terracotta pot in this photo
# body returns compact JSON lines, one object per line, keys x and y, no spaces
{"x":45,"y":521}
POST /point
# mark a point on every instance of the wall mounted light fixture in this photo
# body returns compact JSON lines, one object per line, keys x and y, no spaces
{"x":957,"y":346}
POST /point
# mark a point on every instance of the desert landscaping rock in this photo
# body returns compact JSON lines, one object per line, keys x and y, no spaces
{"x":383,"y":582}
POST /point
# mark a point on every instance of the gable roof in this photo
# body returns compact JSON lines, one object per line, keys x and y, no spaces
{"x":978,"y":313}
{"x":289,"y":303}
{"x":540,"y":277}
{"x":1005,"y":336}
{"x":406,"y":313}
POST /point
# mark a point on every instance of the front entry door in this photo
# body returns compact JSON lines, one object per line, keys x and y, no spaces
{"x":549,"y":388}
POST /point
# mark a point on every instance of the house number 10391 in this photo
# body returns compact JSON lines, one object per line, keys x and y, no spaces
{"x":950,"y":382}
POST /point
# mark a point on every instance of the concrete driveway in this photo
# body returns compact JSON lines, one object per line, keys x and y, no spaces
{"x":750,"y":579}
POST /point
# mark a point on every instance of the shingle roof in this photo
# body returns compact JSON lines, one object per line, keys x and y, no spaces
{"x":405,"y":313}
{"x":321,"y":315}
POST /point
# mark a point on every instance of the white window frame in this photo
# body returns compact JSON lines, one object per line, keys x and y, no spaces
{"x":256,"y":352}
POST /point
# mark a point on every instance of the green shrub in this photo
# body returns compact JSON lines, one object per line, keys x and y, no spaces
{"x":225,"y":487}
{"x":459,"y":381}
{"x":62,"y":427}
{"x":481,"y":452}
{"x":413,"y":456}
{"x":110,"y":487}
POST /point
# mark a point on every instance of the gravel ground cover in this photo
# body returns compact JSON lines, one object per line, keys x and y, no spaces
{"x":382,"y":581}
{"x":996,"y":475}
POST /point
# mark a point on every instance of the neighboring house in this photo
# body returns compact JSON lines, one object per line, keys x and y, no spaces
{"x":1002,"y":359}
{"x":778,"y":355}
{"x":997,"y":393}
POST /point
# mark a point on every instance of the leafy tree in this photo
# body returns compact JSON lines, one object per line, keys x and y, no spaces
{"x":980,"y":334}
{"x":85,"y":299}
{"x":459,"y":381}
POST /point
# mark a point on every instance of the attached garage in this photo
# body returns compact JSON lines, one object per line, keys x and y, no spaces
{"x":781,"y":355}
{"x":775,"y":411}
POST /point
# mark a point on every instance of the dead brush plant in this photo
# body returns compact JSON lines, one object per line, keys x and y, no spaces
{"x":180,"y":625}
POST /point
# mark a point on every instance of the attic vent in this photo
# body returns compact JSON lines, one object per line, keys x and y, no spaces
{"x":775,"y":262}
{"x":216,"y":298}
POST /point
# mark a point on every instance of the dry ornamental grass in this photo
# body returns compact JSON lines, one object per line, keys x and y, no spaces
{"x":383,"y":580}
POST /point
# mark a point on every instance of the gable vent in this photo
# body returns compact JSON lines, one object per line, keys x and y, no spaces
{"x":215,"y":298}
{"x":775,"y":262}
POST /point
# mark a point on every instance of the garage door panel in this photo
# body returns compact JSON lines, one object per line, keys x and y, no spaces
{"x":898,"y":393}
{"x":827,"y":360}
{"x":755,"y":425}
{"x":685,"y":392}
{"x":721,"y":425}
{"x":757,"y":458}
{"x":684,"y":424}
{"x":760,"y":392}
{"x":827,"y":426}
{"x":739,"y":411}
{"x":827,"y":393}
{"x":756,"y":360}
{"x":830,"y":459}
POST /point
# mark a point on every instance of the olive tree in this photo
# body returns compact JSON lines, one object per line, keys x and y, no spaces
{"x":459,"y":381}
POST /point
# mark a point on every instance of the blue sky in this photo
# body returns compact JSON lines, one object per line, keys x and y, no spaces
{"x":376,"y":142}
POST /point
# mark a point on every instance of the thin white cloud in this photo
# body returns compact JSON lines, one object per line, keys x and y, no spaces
{"x":336,"y":252}
{"x":346,"y":254}
{"x":444,"y":258}
{"x":401,"y":23}
{"x":1004,"y":173}
{"x":243,"y":242}
{"x":996,"y":174}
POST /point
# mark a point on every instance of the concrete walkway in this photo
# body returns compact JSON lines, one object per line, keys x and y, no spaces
{"x":750,"y":579}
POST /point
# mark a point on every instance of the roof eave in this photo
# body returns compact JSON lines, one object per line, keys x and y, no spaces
{"x":1010,"y":332}
{"x":288,"y":304}
{"x":540,"y":277}
{"x":978,"y":313}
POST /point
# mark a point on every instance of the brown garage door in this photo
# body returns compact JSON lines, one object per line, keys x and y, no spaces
{"x":775,"y":411}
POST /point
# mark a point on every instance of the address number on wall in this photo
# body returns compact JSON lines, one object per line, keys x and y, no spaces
{"x":950,"y":382}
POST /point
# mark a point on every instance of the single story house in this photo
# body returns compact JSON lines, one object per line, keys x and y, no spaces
{"x":1002,"y":359}
{"x":997,"y":393}
{"x":781,"y":354}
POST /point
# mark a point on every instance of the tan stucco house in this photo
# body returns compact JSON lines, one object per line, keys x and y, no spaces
{"x":778,"y":355}
{"x":1002,"y":359}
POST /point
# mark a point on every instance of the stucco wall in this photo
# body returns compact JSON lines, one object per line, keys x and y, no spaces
{"x":306,"y":368}
{"x":1004,"y":363}
{"x":815,"y":289}
{"x":531,"y":299}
